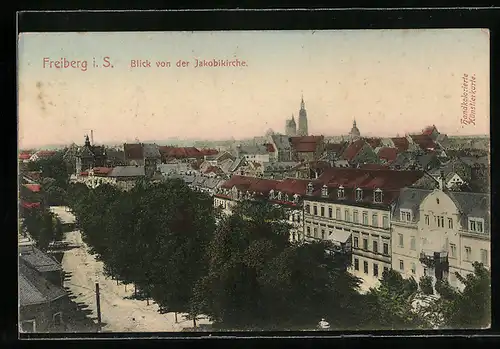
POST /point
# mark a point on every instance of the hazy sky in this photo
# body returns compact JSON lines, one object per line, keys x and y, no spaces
{"x":391,"y":81}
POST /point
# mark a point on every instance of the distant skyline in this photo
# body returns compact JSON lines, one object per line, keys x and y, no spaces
{"x":391,"y":81}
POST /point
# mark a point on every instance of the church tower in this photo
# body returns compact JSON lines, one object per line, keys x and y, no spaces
{"x":302,"y":131}
{"x":354,"y":134}
{"x":291,"y":127}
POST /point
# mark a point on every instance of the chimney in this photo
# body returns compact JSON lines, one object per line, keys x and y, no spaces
{"x":92,"y":137}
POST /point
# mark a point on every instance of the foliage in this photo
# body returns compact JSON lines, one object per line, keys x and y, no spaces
{"x":42,"y":226}
{"x":426,"y":285}
{"x":52,"y":167}
{"x":471,"y":307}
{"x":390,"y":306}
{"x":257,"y":279}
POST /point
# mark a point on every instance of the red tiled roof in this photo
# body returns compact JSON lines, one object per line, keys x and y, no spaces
{"x":334,"y":147}
{"x":207,"y":151}
{"x":428,"y":130}
{"x":214,"y":169}
{"x":293,"y":186}
{"x":270,"y":148}
{"x":390,"y":182}
{"x":24,"y":156}
{"x":424,"y":141}
{"x":30,"y":204}
{"x":180,"y":152}
{"x":133,"y":151}
{"x":374,"y":167}
{"x":388,"y":154}
{"x":353,"y":149}
{"x":306,"y":144}
{"x":373,"y":142}
{"x":401,"y":143}
{"x":33,"y":187}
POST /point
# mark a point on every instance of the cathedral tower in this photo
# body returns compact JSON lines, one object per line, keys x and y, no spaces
{"x":291,"y":127}
{"x":302,"y":130}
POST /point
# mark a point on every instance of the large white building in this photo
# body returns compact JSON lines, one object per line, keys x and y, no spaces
{"x":439,"y":232}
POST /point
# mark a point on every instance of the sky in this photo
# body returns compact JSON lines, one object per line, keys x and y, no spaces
{"x":390,"y":81}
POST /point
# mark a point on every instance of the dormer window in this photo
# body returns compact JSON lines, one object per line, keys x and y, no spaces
{"x":324,"y":191}
{"x":296,"y":198}
{"x":309,"y":188}
{"x":359,"y":194}
{"x":271,"y":194}
{"x":377,"y":196}
{"x":340,"y":192}
{"x":279,"y":195}
{"x":286,"y":197}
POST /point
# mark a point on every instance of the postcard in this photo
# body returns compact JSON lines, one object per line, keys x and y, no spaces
{"x":325,"y":180}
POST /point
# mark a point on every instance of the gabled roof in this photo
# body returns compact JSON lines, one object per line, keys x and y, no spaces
{"x":255,"y":149}
{"x":208,"y":151}
{"x":429,"y":130}
{"x":306,"y":144}
{"x":424,"y":141}
{"x":127,"y":171}
{"x":387,"y":154}
{"x":335,"y":147}
{"x":24,"y":156}
{"x":38,"y":260}
{"x":26,"y":204}
{"x":353,"y":149}
{"x":133,"y":151}
{"x":151,"y":151}
{"x":401,"y":143}
{"x":282,"y":142}
{"x":34,"y":289}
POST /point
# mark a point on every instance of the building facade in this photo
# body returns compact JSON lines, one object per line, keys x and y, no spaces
{"x":439,"y":233}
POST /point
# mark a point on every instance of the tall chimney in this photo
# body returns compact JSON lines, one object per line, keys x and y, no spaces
{"x":441,"y":180}
{"x":92,"y":137}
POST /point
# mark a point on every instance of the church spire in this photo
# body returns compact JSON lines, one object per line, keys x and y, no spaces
{"x":87,"y":141}
{"x":354,"y":123}
{"x":302,"y":104}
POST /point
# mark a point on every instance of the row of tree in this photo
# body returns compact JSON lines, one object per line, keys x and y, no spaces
{"x":42,"y":226}
{"x":243,"y":272}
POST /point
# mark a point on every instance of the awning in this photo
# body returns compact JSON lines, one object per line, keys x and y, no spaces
{"x":339,"y":236}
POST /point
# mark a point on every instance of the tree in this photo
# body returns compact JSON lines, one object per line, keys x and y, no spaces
{"x":52,"y":167}
{"x":257,"y":279}
{"x":42,"y":226}
{"x":470,"y":307}
{"x":390,"y":306}
{"x":426,"y":285}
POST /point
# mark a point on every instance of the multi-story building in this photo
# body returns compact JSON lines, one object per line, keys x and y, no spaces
{"x":287,"y":193}
{"x":439,"y":232}
{"x":353,"y":207}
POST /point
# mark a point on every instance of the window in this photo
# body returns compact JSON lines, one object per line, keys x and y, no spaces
{"x":365,"y":218}
{"x":359,"y":194}
{"x":375,"y":220}
{"x":413,"y":246}
{"x":385,"y":222}
{"x":315,"y":232}
{"x":453,"y":250}
{"x":337,"y":214}
{"x":315,"y":208}
{"x":355,"y":217}
{"x":356,"y":264}
{"x":322,"y":211}
{"x":427,"y":221}
{"x":386,"y":248}
{"x":440,"y":221}
{"x":401,"y":265}
{"x":413,"y":268}
{"x":365,"y":244}
{"x":308,"y":208}
{"x":347,"y":216}
{"x":324,"y":191}
{"x":375,"y":246}
{"x":365,"y":267}
{"x":484,"y":257}
{"x":28,"y":326}
{"x":468,"y":253}
{"x":405,"y":215}
{"x":340,"y":192}
{"x":356,"y":242}
{"x":377,"y":196}
{"x":401,"y":241}
{"x":323,"y":234}
{"x":450,"y":223}
{"x":479,"y":227}
{"x":308,"y":231}
{"x":298,"y":218}
{"x":330,"y":212}
{"x":375,"y":269}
